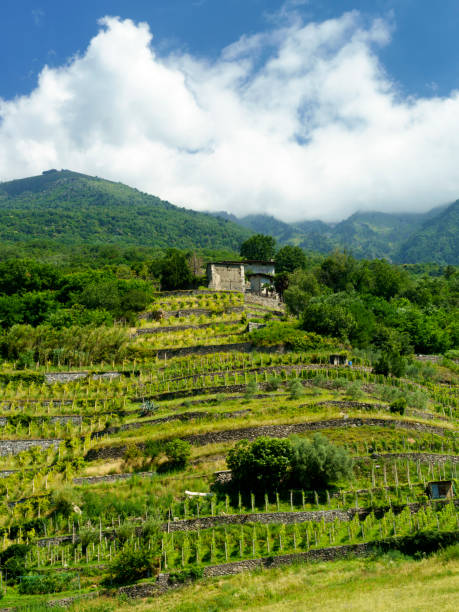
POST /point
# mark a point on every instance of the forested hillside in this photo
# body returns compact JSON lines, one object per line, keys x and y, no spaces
{"x":438,"y":236}
{"x":72,"y":208}
{"x":399,"y":237}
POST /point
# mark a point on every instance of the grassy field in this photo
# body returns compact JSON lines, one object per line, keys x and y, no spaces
{"x":388,"y":583}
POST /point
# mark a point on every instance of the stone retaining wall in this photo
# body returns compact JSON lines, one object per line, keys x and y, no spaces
{"x":202,"y":349}
{"x":173,"y":328}
{"x":111,"y":477}
{"x":186,"y":416}
{"x":276,"y":369}
{"x":188,"y":312}
{"x":6,"y":473}
{"x":274,"y":431}
{"x":66,"y":377}
{"x":13,"y":447}
{"x":63,"y":419}
{"x":270,"y":303}
{"x":421,"y":457}
{"x":259,"y":517}
{"x":332,"y":553}
{"x":190,"y":292}
{"x":284,"y":431}
{"x":349,"y":405}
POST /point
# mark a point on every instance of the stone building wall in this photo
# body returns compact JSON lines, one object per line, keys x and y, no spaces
{"x":226,"y":276}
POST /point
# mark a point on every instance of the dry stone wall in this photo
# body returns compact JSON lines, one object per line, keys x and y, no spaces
{"x":163,"y":584}
{"x":189,"y":312}
{"x":274,"y":431}
{"x":111,"y":478}
{"x":65,"y":377}
{"x":14,"y":447}
{"x":203,"y":349}
{"x":270,"y":303}
{"x":174,"y":328}
{"x":284,"y":431}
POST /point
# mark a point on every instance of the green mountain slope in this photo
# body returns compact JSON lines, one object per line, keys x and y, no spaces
{"x":73,"y":208}
{"x":400,"y":237}
{"x":437,"y":239}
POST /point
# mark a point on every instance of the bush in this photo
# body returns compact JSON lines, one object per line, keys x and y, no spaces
{"x":425,"y":542}
{"x":12,"y":559}
{"x":130,"y":565}
{"x":264,"y":463}
{"x":36,"y":585}
{"x":290,"y":336}
{"x":152,"y":449}
{"x":178,"y":453}
{"x":390,"y":363}
{"x":296,"y":389}
{"x":354,"y":390}
{"x":63,"y":501}
{"x":186,"y":575}
{"x":251,"y":389}
{"x":316,"y":463}
{"x":382,"y":366}
{"x":273,"y":383}
{"x":398,"y":405}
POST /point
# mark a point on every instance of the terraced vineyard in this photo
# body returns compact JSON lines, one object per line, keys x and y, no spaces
{"x":88,"y":470}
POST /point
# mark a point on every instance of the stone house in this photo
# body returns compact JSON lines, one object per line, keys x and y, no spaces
{"x":231,"y":275}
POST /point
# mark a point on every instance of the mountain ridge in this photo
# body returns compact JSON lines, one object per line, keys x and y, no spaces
{"x":70,"y":208}
{"x":75,"y":208}
{"x":403,"y":237}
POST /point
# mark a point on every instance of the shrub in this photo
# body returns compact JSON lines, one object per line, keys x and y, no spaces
{"x":354,"y":390}
{"x":296,"y":389}
{"x":12,"y":559}
{"x":63,"y":501}
{"x":36,"y":585}
{"x":264,"y":463}
{"x":273,"y":383}
{"x":316,"y":463}
{"x":152,"y":449}
{"x":130,"y":565}
{"x":191,"y":573}
{"x":382,"y":366}
{"x":178,"y":453}
{"x":251,"y":389}
{"x":390,"y":363}
{"x":290,"y":336}
{"x":398,"y":405}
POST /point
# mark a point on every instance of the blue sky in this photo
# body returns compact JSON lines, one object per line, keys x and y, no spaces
{"x":301,"y":109}
{"x":423,"y":55}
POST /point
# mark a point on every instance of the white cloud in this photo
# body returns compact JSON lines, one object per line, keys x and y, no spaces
{"x":299,"y":122}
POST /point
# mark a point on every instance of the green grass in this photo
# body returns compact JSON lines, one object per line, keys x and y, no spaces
{"x":386,"y":583}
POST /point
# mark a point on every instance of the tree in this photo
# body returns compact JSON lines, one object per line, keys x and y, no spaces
{"x":262,"y":464}
{"x":178,"y":453}
{"x":382,"y":365}
{"x":259,"y":247}
{"x":328,"y":318}
{"x":390,"y":363}
{"x":316,"y":463}
{"x":290,"y":258}
{"x":302,"y":285}
{"x":339,"y":271}
{"x":281,"y":282}
{"x":175,"y":271}
{"x":398,"y":405}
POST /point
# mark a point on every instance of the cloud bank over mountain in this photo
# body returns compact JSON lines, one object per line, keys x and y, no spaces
{"x":300,"y":121}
